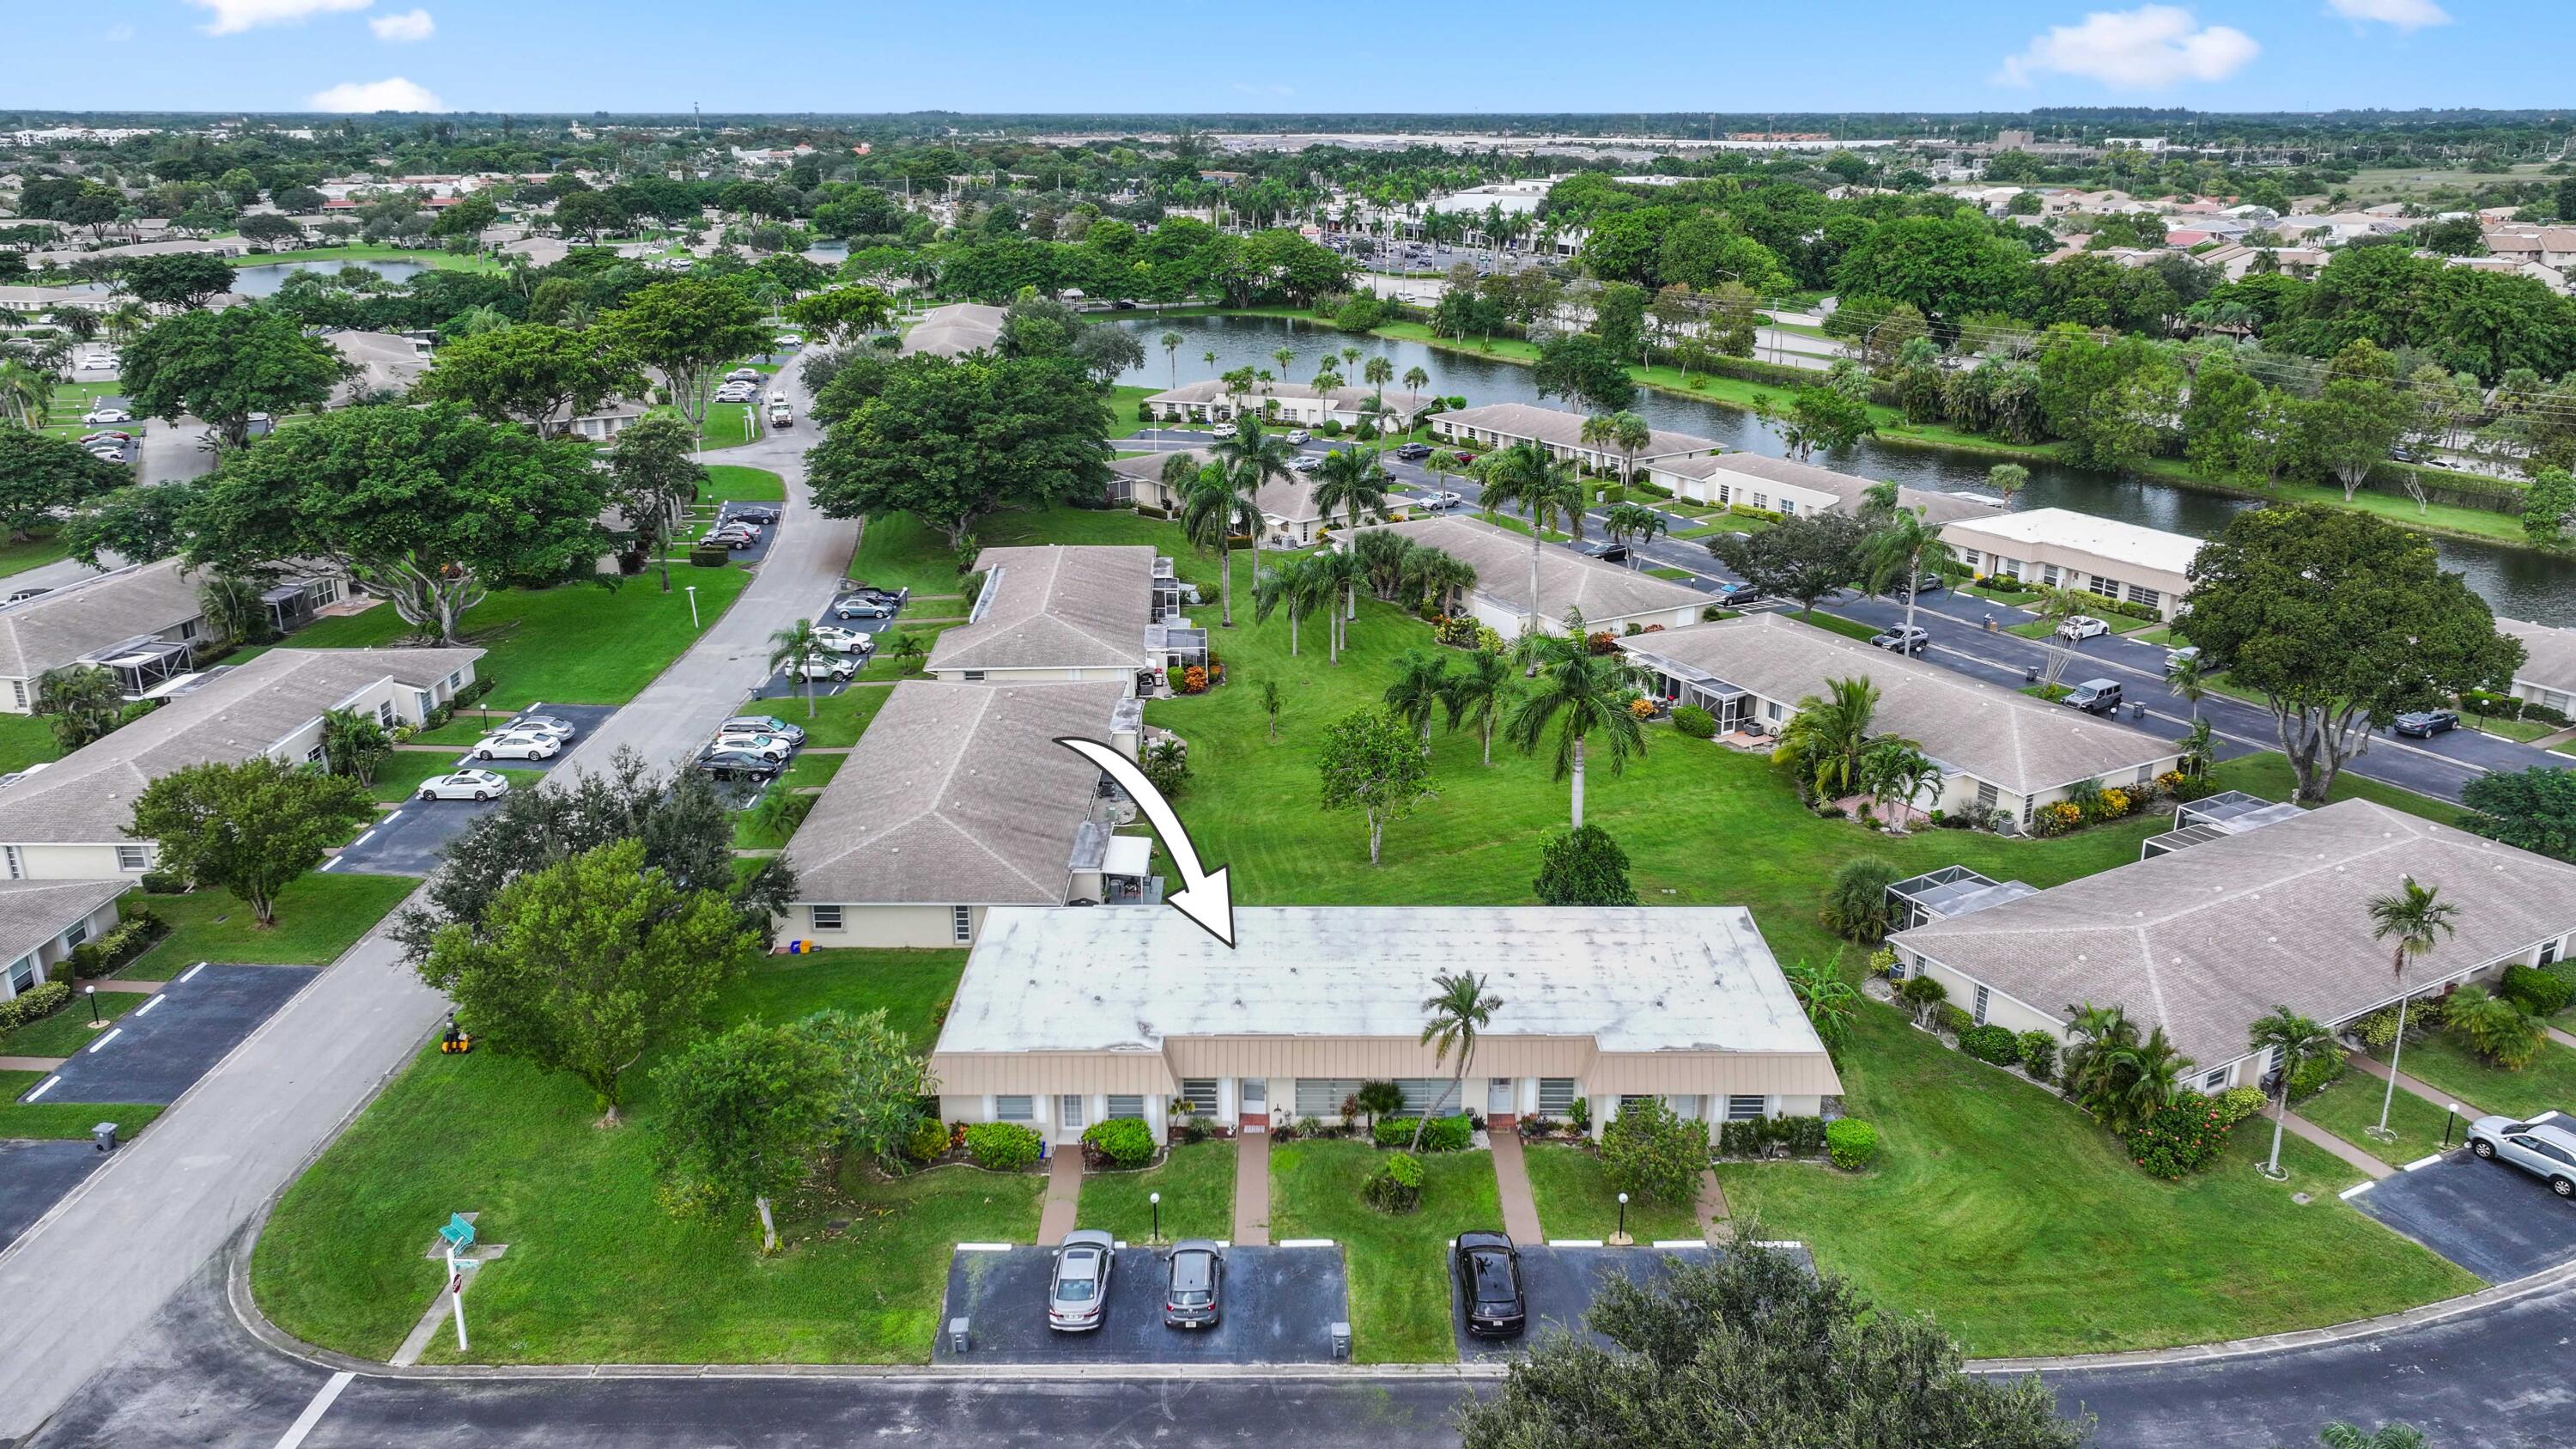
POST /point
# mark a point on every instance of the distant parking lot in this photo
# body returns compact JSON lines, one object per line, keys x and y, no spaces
{"x":159,"y":1049}
{"x":2497,"y":1221}
{"x":410,"y":839}
{"x":34,"y":1176}
{"x":1279,"y":1307}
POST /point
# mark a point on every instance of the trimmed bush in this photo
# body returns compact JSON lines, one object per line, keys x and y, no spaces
{"x":1002,"y":1146}
{"x":1695,"y":722}
{"x":2236,"y":1104}
{"x":1648,"y":1151}
{"x":2038,"y":1054}
{"x":34,"y":1004}
{"x":1990,"y":1043}
{"x":1851,"y":1143}
{"x":1756,"y":1136}
{"x":2181,"y":1139}
{"x":1953,"y":1020}
{"x":928,"y":1141}
{"x":710,"y":558}
{"x":1395,"y":1184}
{"x":2541,"y":993}
{"x":2315,"y":1075}
{"x":163,"y":883}
{"x":1120,"y":1142}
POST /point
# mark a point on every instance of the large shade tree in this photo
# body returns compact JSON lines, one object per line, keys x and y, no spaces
{"x":251,"y":826}
{"x":224,"y":366}
{"x":950,"y":441}
{"x":536,"y":374}
{"x":41,"y":474}
{"x":684,"y":329}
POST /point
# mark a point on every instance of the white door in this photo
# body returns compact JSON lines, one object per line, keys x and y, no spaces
{"x":1686,"y":1107}
{"x":1254,"y":1110}
{"x":1068,"y":1119}
{"x":1498,"y":1097}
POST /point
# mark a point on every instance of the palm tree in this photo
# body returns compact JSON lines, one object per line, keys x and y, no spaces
{"x":1524,"y":476}
{"x":1480,"y":693}
{"x":1581,"y":693}
{"x":1598,"y":432}
{"x":1452,"y":1016}
{"x":1901,"y":547}
{"x":2392,"y":1435}
{"x":1630,"y":434}
{"x":2098,"y":1034}
{"x":2185,"y":679}
{"x":1209,"y":357}
{"x":2417,"y":917}
{"x":1270,"y":706}
{"x":1285,"y":356}
{"x":1327,"y":380}
{"x":1829,"y":734}
{"x":1172,"y":350}
{"x":2199,"y":749}
{"x":1421,"y":684}
{"x":2292,"y":1041}
{"x":2154,"y":1070}
{"x":1350,"y":357}
{"x":1213,"y":510}
{"x":1379,"y":373}
{"x":1351,"y":483}
{"x":1415,"y":380}
{"x":1336,"y":574}
{"x":1287,"y":586}
{"x":1252,"y":460}
{"x":233,"y":605}
{"x":1633,"y":523}
{"x":793,"y":648}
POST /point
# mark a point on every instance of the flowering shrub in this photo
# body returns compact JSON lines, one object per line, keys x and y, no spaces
{"x":1194,"y":680}
{"x":1602,"y":642}
{"x":2181,"y":1139}
{"x":2056,"y":818}
{"x":1642,"y":707}
{"x":2114,"y":803}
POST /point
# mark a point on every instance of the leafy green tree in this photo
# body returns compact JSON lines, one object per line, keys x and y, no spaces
{"x":354,"y":744}
{"x":1585,"y":370}
{"x":2353,"y":426}
{"x":1372,"y":762}
{"x":684,"y":329}
{"x":1803,"y":558}
{"x":81,"y":702}
{"x":1453,"y":1016}
{"x":742,"y":1117}
{"x":224,"y":366}
{"x":582,"y":966}
{"x":950,"y":441}
{"x":651,"y":478}
{"x":1752,"y":1347}
{"x":425,"y":508}
{"x":177,"y":279}
{"x":137,"y":525}
{"x":2219,"y":424}
{"x":1820,"y":417}
{"x":532,"y":373}
{"x":40,"y":475}
{"x":1829,"y":1000}
{"x":588,"y":213}
{"x":2533,"y":809}
{"x":880,"y":1079}
{"x":251,"y":827}
{"x":2339,"y":621}
{"x":1650,"y":1152}
{"x":2546,"y":505}
{"x":2415,"y":918}
{"x":843,"y":314}
{"x":1577,"y":695}
{"x":1583,"y":867}
{"x":1944,"y":266}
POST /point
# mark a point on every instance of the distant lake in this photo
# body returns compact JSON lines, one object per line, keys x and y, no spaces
{"x":267,"y":277}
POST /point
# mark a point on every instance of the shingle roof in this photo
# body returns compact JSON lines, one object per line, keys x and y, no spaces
{"x":2207,"y":939}
{"x":1501,"y":558}
{"x":53,"y":629}
{"x":1055,"y":606}
{"x":2006,"y":738}
{"x":1935,"y":507}
{"x":2549,"y":654}
{"x":1292,"y":501}
{"x":1565,"y":429}
{"x":33,"y":912}
{"x":955,"y":328}
{"x":957,"y":795}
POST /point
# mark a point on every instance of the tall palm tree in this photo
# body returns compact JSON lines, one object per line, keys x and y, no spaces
{"x":1172,"y":351}
{"x":2097,"y":1035}
{"x":1253,"y":459}
{"x":1209,"y":357}
{"x":1336,"y":575}
{"x":1452,"y":1016}
{"x":1581,"y":693}
{"x":1901,"y":548}
{"x":1352,"y":484}
{"x":2185,"y":679}
{"x":1629,"y":434}
{"x":1526,"y":477}
{"x":1480,"y":693}
{"x":793,"y":648}
{"x":1633,"y":524}
{"x":2199,"y":749}
{"x":2154,"y":1069}
{"x":1434,"y":578}
{"x":1213,"y":511}
{"x":1288,"y":586}
{"x":1379,"y":371}
{"x":2416,"y":918}
{"x":1350,"y":357}
{"x":1829,"y":734}
{"x":1415,"y":380}
{"x":1597,"y":432}
{"x":2293,"y":1041}
{"x":1421,"y":679}
{"x":1285,"y":357}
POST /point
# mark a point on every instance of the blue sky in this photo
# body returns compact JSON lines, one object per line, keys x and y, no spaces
{"x":1174,"y":55}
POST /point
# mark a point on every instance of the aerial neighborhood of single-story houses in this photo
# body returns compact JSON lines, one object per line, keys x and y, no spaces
{"x":1607,"y":595}
{"x":1069,"y":1017}
{"x":1290,"y":517}
{"x":2065,"y":549}
{"x":2547,"y":674}
{"x":958,"y":800}
{"x":1053,"y":612}
{"x":42,"y":920}
{"x":1294,"y":403}
{"x":1501,"y":425}
{"x":67,"y":820}
{"x":2258,"y":907}
{"x":1779,"y":485}
{"x":142,"y":623}
{"x":2001,"y":751}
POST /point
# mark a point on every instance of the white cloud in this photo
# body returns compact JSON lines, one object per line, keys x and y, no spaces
{"x":2402,"y":14}
{"x":120,"y":32}
{"x":232,"y":17}
{"x":395,"y":94}
{"x":2148,"y":48}
{"x":400,"y":29}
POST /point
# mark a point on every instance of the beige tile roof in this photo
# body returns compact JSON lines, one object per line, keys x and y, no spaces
{"x":33,"y":912}
{"x":2549,"y":654}
{"x":1055,"y":606}
{"x":957,"y":795}
{"x":88,"y":797}
{"x":51,"y":630}
{"x":1606,"y":593}
{"x":956,"y":328}
{"x":2001,"y":736}
{"x":1292,"y":501}
{"x":1935,"y":507}
{"x":2207,"y":939}
{"x":1565,"y":429}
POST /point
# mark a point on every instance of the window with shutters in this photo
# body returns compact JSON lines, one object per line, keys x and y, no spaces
{"x":1014,"y":1109}
{"x":77,"y":934}
{"x":1424,"y":1094}
{"x":1120,"y":1107}
{"x":2551,"y":950}
{"x":1323,"y":1096}
{"x":133,"y":857}
{"x":2148,"y":597}
{"x":1745,"y":1109}
{"x":1980,"y":1012}
{"x":2214,"y":1081}
{"x":1555,"y":1096}
{"x":1987,"y":798}
{"x":827,"y":918}
{"x":22,"y":974}
{"x":961,"y":923}
{"x":1200,"y":1093}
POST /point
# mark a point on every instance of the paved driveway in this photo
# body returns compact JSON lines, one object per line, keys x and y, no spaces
{"x":2498,"y":1222}
{"x":159,"y":1049}
{"x":34,"y":1176}
{"x":1280,"y":1306}
{"x":411,"y":840}
{"x":1561,"y":1284}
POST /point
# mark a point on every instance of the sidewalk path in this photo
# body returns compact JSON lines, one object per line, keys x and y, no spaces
{"x":2425,"y":1090}
{"x":1713,"y":1211}
{"x":1252,"y":1190}
{"x":2300,"y":1127}
{"x":1064,"y":1195}
{"x":2562,"y":1038}
{"x":1511,"y":1175}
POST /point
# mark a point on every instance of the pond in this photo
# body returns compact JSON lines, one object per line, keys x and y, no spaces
{"x":267,"y":277}
{"x":2518,"y":583}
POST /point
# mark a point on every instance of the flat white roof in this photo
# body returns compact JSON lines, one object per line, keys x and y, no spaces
{"x":1128,"y":855}
{"x":1123,"y":978}
{"x":2104,"y":537}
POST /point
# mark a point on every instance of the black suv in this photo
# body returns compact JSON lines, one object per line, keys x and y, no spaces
{"x":1488,"y":1270}
{"x":1194,"y":1285}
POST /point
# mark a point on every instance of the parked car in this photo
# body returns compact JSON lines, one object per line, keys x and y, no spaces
{"x":743,"y":374}
{"x":827,"y":667}
{"x":98,"y":361}
{"x":2095,"y":696}
{"x":1222,"y":430}
{"x":787,"y":339}
{"x":1078,"y":1290}
{"x":107,"y":452}
{"x":107,"y":415}
{"x":861,"y":606}
{"x":1194,"y":1285}
{"x":556,"y":725}
{"x":768,"y":747}
{"x":737,"y":765}
{"x":1605,"y":552}
{"x":781,"y":416}
{"x":891,"y":596}
{"x":1735,"y":594}
{"x":517,"y":745}
{"x":2080,"y":628}
{"x":844,"y":641}
{"x":1299,"y":437}
{"x":767,"y":724}
{"x":466,"y":785}
{"x":1923,"y":583}
{"x":1305,"y":463}
{"x":1488,"y":1270}
{"x":105,"y":435}
{"x":20,"y":596}
{"x":2423,"y":724}
{"x":1414,"y":452}
{"x":2543,"y":1149}
{"x":753,"y":512}
{"x":1904,"y":640}
{"x":733,"y":539}
{"x":2175,"y":659}
{"x":1441,"y":498}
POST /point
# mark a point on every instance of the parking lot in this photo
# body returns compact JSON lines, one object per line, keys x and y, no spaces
{"x":410,"y":839}
{"x":1561,"y":1284}
{"x":35,"y":1175}
{"x":780,"y":685}
{"x":159,"y":1049}
{"x":2495,"y":1220}
{"x":1279,"y":1307}
{"x":759,"y":550}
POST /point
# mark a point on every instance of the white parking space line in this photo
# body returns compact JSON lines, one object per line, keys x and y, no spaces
{"x":361,"y":840}
{"x":2421,"y":1162}
{"x":331,"y":864}
{"x":192,"y":973}
{"x":42,"y":1088}
{"x":388,"y":820}
{"x":2356,"y":1190}
{"x":146,"y":1008}
{"x":113,"y":1033}
{"x":305,"y":1423}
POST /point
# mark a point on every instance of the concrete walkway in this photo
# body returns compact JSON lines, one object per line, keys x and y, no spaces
{"x":2307,"y":1131}
{"x":30,"y":1064}
{"x":1064,"y":1195}
{"x":2562,"y":1038}
{"x":1712,"y":1209}
{"x":1511,"y":1174}
{"x":1252,"y":1190}
{"x":2425,"y":1090}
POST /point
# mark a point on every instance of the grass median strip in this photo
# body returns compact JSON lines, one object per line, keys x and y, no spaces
{"x":318,"y":917}
{"x":1397,"y":1262}
{"x":68,"y":1030}
{"x":1197,"y":1184}
{"x":1576,"y":1201}
{"x":2547,"y":1085}
{"x":63,"y":1120}
{"x":2350,"y":1107}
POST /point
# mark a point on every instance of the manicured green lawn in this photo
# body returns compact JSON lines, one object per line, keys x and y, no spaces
{"x":1574,"y":1201}
{"x":68,"y":1030}
{"x":318,"y":917}
{"x":41,"y":547}
{"x":403,"y":770}
{"x":64,"y":1119}
{"x":2520,"y":730}
{"x":810,"y":770}
{"x":1123,"y":421}
{"x":2268,"y":775}
{"x":897,"y":550}
{"x":2351,"y":1106}
{"x":2547,"y":1085}
{"x":26,"y":739}
{"x":731,"y":482}
{"x":598,"y":1268}
{"x":464,"y":729}
{"x":573,"y":644}
{"x":369,"y":252}
{"x":1397,"y":1262}
{"x":1197,"y":1184}
{"x":1848,"y":628}
{"x":838,"y":720}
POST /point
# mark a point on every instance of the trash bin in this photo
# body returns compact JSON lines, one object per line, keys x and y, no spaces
{"x":2138,"y":711}
{"x":104,"y":1134}
{"x":1341,"y":1342}
{"x":2030,"y":675}
{"x":959,"y":1338}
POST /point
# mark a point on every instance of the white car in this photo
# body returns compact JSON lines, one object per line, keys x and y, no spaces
{"x":96,"y":416}
{"x":762,"y":724}
{"x":518,"y":745}
{"x":2082,"y":627}
{"x":1222,"y":430}
{"x":789,"y":339}
{"x":542,"y":724}
{"x":734,"y":396}
{"x":465,"y":785}
{"x":743,"y":374}
{"x":834,"y":669}
{"x":1305,"y":463}
{"x":768,"y":747}
{"x":99,"y":361}
{"x":1299,"y":437}
{"x":844,"y":641}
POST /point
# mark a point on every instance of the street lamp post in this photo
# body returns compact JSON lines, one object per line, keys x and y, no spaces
{"x":92,"y":993}
{"x":1156,"y":1200}
{"x":2452,"y":1111}
{"x":1621,"y":1238}
{"x":693,"y":604}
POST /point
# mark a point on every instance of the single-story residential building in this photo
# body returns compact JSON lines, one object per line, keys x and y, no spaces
{"x":67,"y":820}
{"x":1778,"y":485}
{"x":1069,"y":1017}
{"x":2206,"y":940}
{"x":1291,"y":404}
{"x":2000,"y":749}
{"x":384,"y":361}
{"x":1610,"y":596}
{"x":142,"y":622}
{"x":1290,"y":517}
{"x":2547,"y":674}
{"x":1070,"y":611}
{"x":2062,"y":548}
{"x":953,"y":330}
{"x":1500,"y":425}
{"x":42,"y":920}
{"x":958,"y":800}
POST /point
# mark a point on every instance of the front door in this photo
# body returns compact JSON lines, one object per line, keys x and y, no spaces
{"x":1498,"y":1099}
{"x":1254,"y":1115}
{"x":1068,"y":1119}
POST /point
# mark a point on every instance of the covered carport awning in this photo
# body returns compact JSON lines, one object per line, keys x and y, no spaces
{"x":1688,"y":684}
{"x":1128,"y":855}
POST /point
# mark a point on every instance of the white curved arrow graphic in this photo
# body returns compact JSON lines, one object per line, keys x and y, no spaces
{"x":1205,"y":896}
